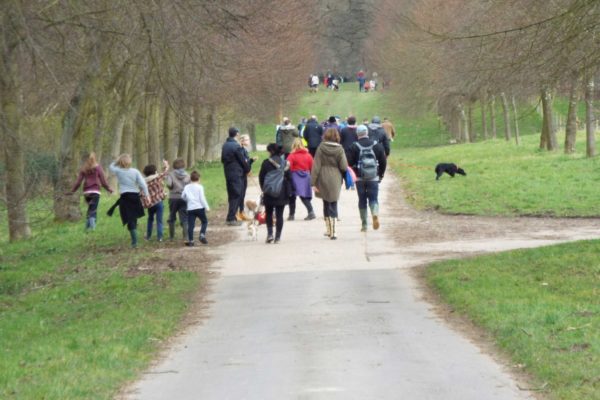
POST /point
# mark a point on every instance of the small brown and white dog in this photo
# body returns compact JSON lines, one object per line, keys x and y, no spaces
{"x":252,"y":211}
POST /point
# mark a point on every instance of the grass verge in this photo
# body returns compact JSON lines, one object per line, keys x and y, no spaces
{"x":540,"y":305}
{"x":75,"y":323}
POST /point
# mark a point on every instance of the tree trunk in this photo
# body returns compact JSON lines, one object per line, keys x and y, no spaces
{"x":198,"y":144}
{"x":506,"y":114}
{"x":516,"y":121}
{"x":184,"y":137}
{"x":252,"y":133}
{"x":153,"y":123}
{"x":98,"y":146}
{"x":590,"y":123}
{"x":191,"y":159}
{"x":571,"y":126}
{"x":168,"y":142}
{"x":472,"y":134}
{"x":483,"y":115}
{"x":493,"y":116}
{"x":128,"y":136}
{"x":212,"y":134}
{"x":141,"y":141}
{"x":548,"y":129}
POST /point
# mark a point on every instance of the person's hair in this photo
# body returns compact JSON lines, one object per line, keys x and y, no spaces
{"x":297,"y":144}
{"x":149,"y":169}
{"x":274,"y":149}
{"x":124,"y":160}
{"x":244,"y":137}
{"x":89,"y":163}
{"x":195,"y":176}
{"x":331,"y":135}
{"x":351,"y":120}
{"x":332,"y":120}
{"x":179,"y":163}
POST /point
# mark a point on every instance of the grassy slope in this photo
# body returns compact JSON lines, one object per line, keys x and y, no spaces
{"x":73,"y":324}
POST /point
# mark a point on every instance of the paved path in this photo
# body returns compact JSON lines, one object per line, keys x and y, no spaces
{"x":311,"y":318}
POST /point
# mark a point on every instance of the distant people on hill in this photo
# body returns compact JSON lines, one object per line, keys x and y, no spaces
{"x":378,"y":135}
{"x":367,"y":86}
{"x":390,"y":131}
{"x":313,"y":133}
{"x":361,"y":80}
{"x":92,"y":176}
{"x":367,"y":158}
{"x":314,"y":83}
{"x":176,"y":181}
{"x":131,"y":182}
{"x":275,"y":202}
{"x":329,"y":166}
{"x":301,"y":163}
{"x":235,"y":167}
{"x":154,"y":202}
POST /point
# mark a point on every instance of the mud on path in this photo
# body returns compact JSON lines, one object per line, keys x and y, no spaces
{"x":426,"y":236}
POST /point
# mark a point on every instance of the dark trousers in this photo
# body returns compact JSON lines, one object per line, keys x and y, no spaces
{"x":244,"y":188}
{"x":305,"y":201}
{"x":177,"y":207}
{"x":330,"y":209}
{"x":312,"y":151}
{"x":234,"y":196}
{"x":155,"y":211}
{"x":279,"y":223}
{"x":92,"y":200}
{"x":367,"y":193}
{"x":192,"y":215}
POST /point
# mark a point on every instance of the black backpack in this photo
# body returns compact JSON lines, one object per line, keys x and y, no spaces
{"x":273,"y":183}
{"x":367,"y":162}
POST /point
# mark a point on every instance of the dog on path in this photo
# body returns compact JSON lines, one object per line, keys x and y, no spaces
{"x":449,"y":168}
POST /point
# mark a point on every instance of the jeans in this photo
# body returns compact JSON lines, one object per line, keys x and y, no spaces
{"x":92,"y":200}
{"x":243,"y":196}
{"x":155,"y":210}
{"x":330,"y":209}
{"x":367,"y":192}
{"x":279,"y":223}
{"x":191,"y":215}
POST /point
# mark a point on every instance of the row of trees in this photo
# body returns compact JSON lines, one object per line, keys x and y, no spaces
{"x":157,"y":79}
{"x":454,"y":55}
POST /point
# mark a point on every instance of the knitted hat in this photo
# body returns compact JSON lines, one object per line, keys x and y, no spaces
{"x":362,"y":131}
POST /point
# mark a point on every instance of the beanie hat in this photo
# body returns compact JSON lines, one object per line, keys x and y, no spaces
{"x":332,"y":120}
{"x":362,"y":131}
{"x":376,"y":120}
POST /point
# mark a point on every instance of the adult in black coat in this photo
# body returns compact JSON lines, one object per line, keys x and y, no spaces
{"x":235,"y":166}
{"x":272,"y":203}
{"x":348,"y":135}
{"x":313,"y":134}
{"x":367,"y":189}
{"x":377,"y":134}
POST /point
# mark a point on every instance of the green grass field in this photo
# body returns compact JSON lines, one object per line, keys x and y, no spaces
{"x":541,"y":306}
{"x":74,"y":324}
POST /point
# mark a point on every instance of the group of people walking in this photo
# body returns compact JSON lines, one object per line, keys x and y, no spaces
{"x":313,"y":158}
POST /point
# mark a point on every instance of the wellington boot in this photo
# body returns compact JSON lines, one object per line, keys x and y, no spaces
{"x":332,"y":224}
{"x":375,"y":215}
{"x":363,"y":219}
{"x":327,"y":227}
{"x":171,"y":230}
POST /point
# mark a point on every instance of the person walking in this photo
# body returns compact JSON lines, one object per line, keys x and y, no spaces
{"x":131,"y":182}
{"x":275,"y":203}
{"x":360,"y":77}
{"x":390,"y":131}
{"x":245,"y":149}
{"x":378,"y":135}
{"x":348,"y":134}
{"x":176,"y":181}
{"x":235,"y":167}
{"x":313,"y":134}
{"x":301,"y":163}
{"x":197,"y":207}
{"x":329,"y":166}
{"x":286,"y":135}
{"x":92,"y":176}
{"x":367,"y":158}
{"x":154,"y":202}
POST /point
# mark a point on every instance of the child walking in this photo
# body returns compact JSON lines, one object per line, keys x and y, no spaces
{"x":154,"y":202}
{"x":176,"y":181}
{"x":197,"y":206}
{"x":92,"y":176}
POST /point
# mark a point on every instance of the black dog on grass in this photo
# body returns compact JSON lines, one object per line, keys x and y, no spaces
{"x":448,"y":168}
